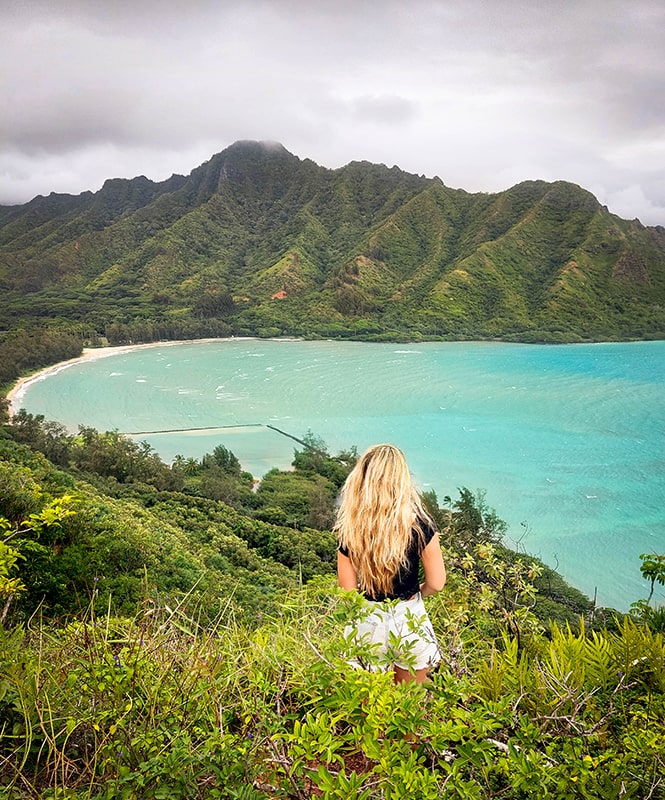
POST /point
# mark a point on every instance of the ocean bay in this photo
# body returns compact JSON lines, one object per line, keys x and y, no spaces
{"x":567,"y":441}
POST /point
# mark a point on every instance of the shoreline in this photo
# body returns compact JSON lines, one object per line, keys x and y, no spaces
{"x":18,"y":390}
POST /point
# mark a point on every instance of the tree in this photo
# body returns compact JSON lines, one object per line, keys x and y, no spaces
{"x":112,"y":455}
{"x":473,"y":521}
{"x":653,"y":569}
{"x":315,"y":459}
{"x":440,"y":516}
{"x":225,"y":459}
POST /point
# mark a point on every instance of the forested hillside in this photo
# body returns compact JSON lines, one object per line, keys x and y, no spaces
{"x":198,"y":526}
{"x":257,"y":241}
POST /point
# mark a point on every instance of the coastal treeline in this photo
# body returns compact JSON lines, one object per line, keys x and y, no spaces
{"x":26,"y":349}
{"x":175,"y":631}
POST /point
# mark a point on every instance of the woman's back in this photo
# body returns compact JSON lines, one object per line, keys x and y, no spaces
{"x":384,"y":534}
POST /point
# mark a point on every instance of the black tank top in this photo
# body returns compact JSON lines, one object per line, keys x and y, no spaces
{"x":407,"y":581}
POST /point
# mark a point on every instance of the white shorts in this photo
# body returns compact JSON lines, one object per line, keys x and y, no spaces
{"x":395,"y":632}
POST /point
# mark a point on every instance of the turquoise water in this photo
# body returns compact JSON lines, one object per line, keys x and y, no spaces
{"x":567,"y":441}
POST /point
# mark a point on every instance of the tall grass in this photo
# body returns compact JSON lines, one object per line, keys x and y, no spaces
{"x":159,"y":706}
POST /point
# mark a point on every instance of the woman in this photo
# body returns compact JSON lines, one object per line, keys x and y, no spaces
{"x":384,"y":534}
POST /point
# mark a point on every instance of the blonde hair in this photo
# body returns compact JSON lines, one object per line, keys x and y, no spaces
{"x":380,"y":508}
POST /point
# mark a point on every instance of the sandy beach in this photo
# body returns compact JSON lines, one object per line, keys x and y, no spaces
{"x":16,"y":393}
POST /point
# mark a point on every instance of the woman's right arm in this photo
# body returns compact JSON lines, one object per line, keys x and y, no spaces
{"x":435,"y":570}
{"x":346,"y":573}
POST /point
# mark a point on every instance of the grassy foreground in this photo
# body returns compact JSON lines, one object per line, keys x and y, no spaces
{"x":157,"y":642}
{"x":159,"y":707}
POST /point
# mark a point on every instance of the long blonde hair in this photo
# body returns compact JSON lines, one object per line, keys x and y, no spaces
{"x":380,"y":508}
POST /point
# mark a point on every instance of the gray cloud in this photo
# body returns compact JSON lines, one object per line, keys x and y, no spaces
{"x":483,"y":94}
{"x":383,"y":109}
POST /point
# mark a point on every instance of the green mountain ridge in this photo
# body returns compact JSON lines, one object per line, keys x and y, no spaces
{"x":269,"y":244}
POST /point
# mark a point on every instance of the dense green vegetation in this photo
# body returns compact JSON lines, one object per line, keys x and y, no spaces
{"x":200,"y":526}
{"x":175,"y":632}
{"x":154,"y":706}
{"x":259,"y":242}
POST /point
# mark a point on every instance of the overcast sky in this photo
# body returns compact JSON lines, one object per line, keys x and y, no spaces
{"x":482,"y":94}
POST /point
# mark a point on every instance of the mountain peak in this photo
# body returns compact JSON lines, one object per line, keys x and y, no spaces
{"x":261,"y":163}
{"x":254,"y":149}
{"x":264,"y":145}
